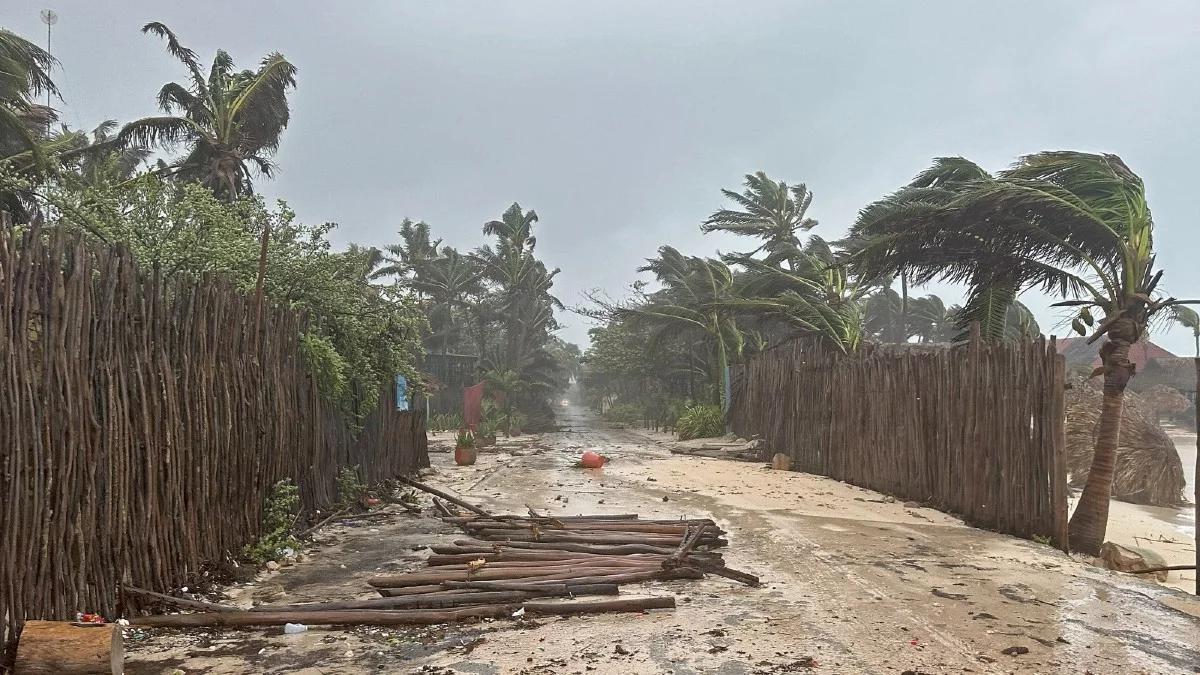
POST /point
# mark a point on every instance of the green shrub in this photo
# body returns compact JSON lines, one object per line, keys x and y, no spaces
{"x":700,"y":421}
{"x":626,"y":413}
{"x":465,"y":439}
{"x":279,"y":516}
{"x":350,"y":487}
{"x":445,"y":422}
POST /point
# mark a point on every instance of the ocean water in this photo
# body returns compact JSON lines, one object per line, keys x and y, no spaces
{"x":1185,"y":520}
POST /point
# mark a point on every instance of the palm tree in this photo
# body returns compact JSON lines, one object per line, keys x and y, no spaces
{"x":409,"y":257}
{"x":887,"y":240}
{"x":769,"y":210}
{"x":448,"y":281}
{"x":229,"y":123}
{"x":1188,"y":318}
{"x":1073,"y":223}
{"x":817,"y":296}
{"x":514,"y":230}
{"x":698,"y":298}
{"x":24,"y":75}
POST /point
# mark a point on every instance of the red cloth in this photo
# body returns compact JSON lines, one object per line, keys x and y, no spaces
{"x":473,"y":406}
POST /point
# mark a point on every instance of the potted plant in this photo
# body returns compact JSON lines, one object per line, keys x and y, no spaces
{"x":486,"y":435}
{"x":515,"y":421}
{"x":465,"y":452}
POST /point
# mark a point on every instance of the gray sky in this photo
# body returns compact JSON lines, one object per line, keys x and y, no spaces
{"x":620,"y":121}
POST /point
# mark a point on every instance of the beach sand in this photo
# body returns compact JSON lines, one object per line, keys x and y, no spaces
{"x":1170,"y":532}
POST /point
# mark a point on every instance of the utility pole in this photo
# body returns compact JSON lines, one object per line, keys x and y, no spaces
{"x":49,"y":17}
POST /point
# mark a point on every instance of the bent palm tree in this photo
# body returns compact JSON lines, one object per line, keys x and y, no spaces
{"x":230,"y":122}
{"x":1073,"y":223}
{"x":770,"y":210}
{"x":1188,"y":318}
{"x":698,"y":297}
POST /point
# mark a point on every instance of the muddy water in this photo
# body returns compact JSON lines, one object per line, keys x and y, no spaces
{"x":853,"y":583}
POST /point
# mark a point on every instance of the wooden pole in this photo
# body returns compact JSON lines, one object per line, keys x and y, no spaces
{"x":353,"y":617}
{"x":450,"y":498}
{"x":65,"y":648}
{"x":1196,"y":476}
{"x":178,"y":602}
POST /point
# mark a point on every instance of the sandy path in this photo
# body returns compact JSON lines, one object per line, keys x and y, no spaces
{"x":854,"y":583}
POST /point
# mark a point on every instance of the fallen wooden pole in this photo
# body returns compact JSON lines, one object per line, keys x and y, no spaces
{"x":470,"y":545}
{"x":448,"y":497}
{"x":567,"y":589}
{"x":723,"y":571}
{"x":1167,"y":568}
{"x":321,"y":524}
{"x":185,"y":603}
{"x":397,"y":617}
{"x":447,"y":598}
{"x":437,"y":577}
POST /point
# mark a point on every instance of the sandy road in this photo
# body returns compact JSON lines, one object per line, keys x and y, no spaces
{"x":854,"y":583}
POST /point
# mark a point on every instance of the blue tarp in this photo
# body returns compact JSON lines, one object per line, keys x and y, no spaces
{"x":401,"y":393}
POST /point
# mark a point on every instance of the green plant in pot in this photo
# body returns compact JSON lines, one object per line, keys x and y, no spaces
{"x":485,"y":435}
{"x":465,"y":452}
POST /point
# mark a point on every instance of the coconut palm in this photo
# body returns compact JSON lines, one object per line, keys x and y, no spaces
{"x":816,"y":296}
{"x":229,"y":122}
{"x":1188,"y":318}
{"x":410,"y":256}
{"x":24,"y":76}
{"x":886,"y":241}
{"x":769,"y":210}
{"x":698,"y":299}
{"x":1072,"y":223}
{"x":447,"y":281}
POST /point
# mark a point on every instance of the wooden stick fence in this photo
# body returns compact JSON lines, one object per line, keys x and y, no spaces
{"x":975,"y":430}
{"x":143,"y":422}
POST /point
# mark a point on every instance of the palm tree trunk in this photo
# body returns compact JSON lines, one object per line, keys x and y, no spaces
{"x":1090,"y":520}
{"x":903,"y":307}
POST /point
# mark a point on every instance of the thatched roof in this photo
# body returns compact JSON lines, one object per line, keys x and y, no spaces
{"x":1148,"y":469}
{"x":1176,"y":372}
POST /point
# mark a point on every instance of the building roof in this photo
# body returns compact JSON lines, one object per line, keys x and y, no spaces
{"x":1078,"y":352}
{"x":1177,"y":372}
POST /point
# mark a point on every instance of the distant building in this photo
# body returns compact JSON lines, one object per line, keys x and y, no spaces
{"x":1176,"y":372}
{"x":1079,"y":353}
{"x":1155,"y":365}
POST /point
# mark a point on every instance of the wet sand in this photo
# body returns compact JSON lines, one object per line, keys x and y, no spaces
{"x":1170,"y":532}
{"x":853,"y":583}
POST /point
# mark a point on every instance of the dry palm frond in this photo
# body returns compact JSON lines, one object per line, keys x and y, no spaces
{"x":1148,"y":468}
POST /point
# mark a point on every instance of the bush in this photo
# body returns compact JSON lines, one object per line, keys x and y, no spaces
{"x":445,"y":422}
{"x":700,"y":421}
{"x":625,"y":413}
{"x":279,"y":516}
{"x":350,"y":487}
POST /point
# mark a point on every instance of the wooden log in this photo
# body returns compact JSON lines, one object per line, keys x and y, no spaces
{"x":470,"y":545}
{"x":352,"y":617}
{"x":448,"y":497}
{"x":617,"y":578}
{"x":447,"y":598}
{"x":548,"y":556}
{"x":723,"y":571}
{"x":65,"y":648}
{"x":324,"y":521}
{"x":689,"y":542}
{"x":679,"y":528}
{"x":567,"y":589}
{"x":439,"y":576}
{"x":594,"y":561}
{"x":185,"y":603}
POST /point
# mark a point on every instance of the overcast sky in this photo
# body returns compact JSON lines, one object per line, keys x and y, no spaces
{"x":620,"y":121}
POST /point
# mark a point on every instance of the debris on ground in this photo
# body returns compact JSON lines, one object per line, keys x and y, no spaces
{"x":513,"y":567}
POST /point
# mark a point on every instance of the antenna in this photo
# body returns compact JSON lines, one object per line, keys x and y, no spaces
{"x":49,"y":17}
